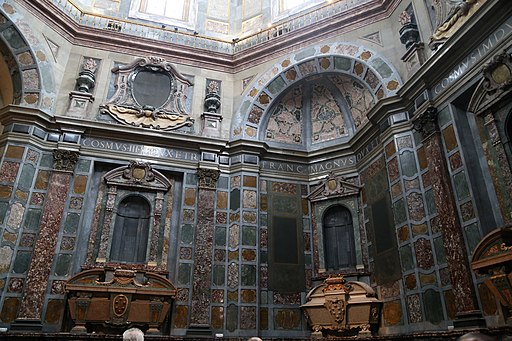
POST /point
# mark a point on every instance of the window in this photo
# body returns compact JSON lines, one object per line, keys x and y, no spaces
{"x":175,"y":9}
{"x":339,"y":243}
{"x":286,"y":5}
{"x":131,"y":230}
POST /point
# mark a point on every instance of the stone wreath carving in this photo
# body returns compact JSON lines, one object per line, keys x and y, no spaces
{"x":150,"y":93}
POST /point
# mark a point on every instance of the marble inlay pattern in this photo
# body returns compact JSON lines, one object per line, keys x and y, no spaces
{"x":392,"y":313}
{"x":287,"y":298}
{"x":9,"y":171}
{"x":248,"y":317}
{"x":285,"y":122}
{"x":390,"y":290}
{"x":414,"y":308}
{"x":233,"y":275}
{"x":326,"y":116}
{"x":416,"y":206}
{"x":358,"y":97}
{"x":424,"y":254}
{"x":15,"y":285}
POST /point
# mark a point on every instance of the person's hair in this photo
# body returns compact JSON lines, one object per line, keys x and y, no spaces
{"x":254,"y":338}
{"x":133,"y":334}
{"x":475,"y":337}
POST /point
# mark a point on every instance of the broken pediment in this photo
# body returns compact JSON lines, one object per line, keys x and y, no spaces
{"x":138,"y":174}
{"x":150,"y":93}
{"x":335,"y":186}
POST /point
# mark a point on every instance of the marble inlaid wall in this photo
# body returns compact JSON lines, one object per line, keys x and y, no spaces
{"x":23,"y":186}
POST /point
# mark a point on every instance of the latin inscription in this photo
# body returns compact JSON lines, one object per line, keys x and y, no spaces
{"x":476,"y":55}
{"x":140,"y":149}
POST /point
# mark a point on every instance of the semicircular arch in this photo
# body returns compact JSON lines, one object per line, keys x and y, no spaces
{"x":354,"y":60}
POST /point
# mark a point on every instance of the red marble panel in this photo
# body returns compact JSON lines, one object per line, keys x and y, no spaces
{"x":9,"y":171}
{"x":424,"y":254}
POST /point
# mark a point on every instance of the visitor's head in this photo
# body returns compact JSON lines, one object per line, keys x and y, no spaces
{"x":133,"y":334}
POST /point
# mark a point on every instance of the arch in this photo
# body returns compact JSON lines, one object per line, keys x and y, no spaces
{"x":351,"y":59}
{"x":27,"y":58}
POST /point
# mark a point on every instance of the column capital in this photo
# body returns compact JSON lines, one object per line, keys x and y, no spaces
{"x":65,"y":160}
{"x":426,"y":122}
{"x":208,"y":177}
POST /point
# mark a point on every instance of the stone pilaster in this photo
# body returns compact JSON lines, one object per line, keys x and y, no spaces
{"x":456,"y":255}
{"x":200,"y":317}
{"x":31,"y":309}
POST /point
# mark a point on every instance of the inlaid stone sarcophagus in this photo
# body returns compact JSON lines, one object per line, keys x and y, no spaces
{"x":338,"y":308}
{"x":101,"y":300}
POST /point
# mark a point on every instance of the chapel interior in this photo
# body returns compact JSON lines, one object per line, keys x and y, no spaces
{"x":286,"y":169}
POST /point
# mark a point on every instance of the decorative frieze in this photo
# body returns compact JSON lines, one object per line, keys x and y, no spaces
{"x":208,"y":178}
{"x":65,"y":160}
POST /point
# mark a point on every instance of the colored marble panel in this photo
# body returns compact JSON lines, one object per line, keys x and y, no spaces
{"x":404,"y":142}
{"x":414,"y":308}
{"x":403,"y":234}
{"x":190,"y":196}
{"x":455,"y":161}
{"x":248,"y":277}
{"x":357,"y":96}
{"x":440,"y":251}
{"x":461,"y":185}
{"x":424,"y":255}
{"x":180,"y":317}
{"x":263,"y":238}
{"x":427,"y":179}
{"x":223,"y":182}
{"x":15,"y":216}
{"x":184,"y":273}
{"x":408,"y":163}
{"x":467,"y":211}
{"x":431,"y":204}
{"x":10,"y":238}
{"x":9,"y":171}
{"x":6,"y":254}
{"x":220,"y":236}
{"x":58,"y":288}
{"x":444,"y":275}
{"x":233,"y":296}
{"x":393,"y":171}
{"x":217,"y":296}
{"x":222,"y":200}
{"x":26,"y":177}
{"x":433,"y":306}
{"x":9,"y":309}
{"x":219,"y":255}
{"x":287,"y":319}
{"x":406,"y":258}
{"x":219,"y":272}
{"x":382,"y":67}
{"x":410,"y":282}
{"x":67,"y":244}
{"x":80,"y":184}
{"x":307,"y":68}
{"x":249,"y":255}
{"x":263,"y":202}
{"x":21,"y":195}
{"x":412,"y":184}
{"x":305,"y":209}
{"x":415,"y":206}
{"x":28,"y":240}
{"x":15,"y":285}
{"x":276,"y":86}
{"x":22,"y":262}
{"x":249,"y":217}
{"x":191,"y":179}
{"x":232,"y":318}
{"x":62,"y":264}
{"x":217,"y":317}
{"x":472,"y":236}
{"x":450,"y":140}
{"x":392,"y":313}
{"x":234,"y":203}
{"x":422,"y":158}
{"x":390,"y":149}
{"x":187,"y":234}
{"x":249,"y":199}
{"x":186,"y":253}
{"x":250,"y":181}
{"x":291,"y":75}
{"x":342,"y":63}
{"x":428,"y":279}
{"x":233,"y":275}
{"x":54,"y":311}
{"x":264,"y":318}
{"x":4,"y":206}
{"x":419,"y":229}
{"x":285,"y":121}
{"x":14,"y":152}
{"x":248,"y":296}
{"x":390,"y":290}
{"x":83,"y":166}
{"x":399,"y":211}
{"x":71,"y":223}
{"x":183,"y":294}
{"x":371,"y":79}
{"x":189,"y":216}
{"x":222,"y":218}
{"x":76,"y":203}
{"x":444,"y":116}
{"x":234,"y":235}
{"x":327,"y":119}
{"x":37,"y":199}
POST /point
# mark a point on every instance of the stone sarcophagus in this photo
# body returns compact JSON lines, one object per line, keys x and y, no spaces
{"x":339,"y":308}
{"x":106,"y":300}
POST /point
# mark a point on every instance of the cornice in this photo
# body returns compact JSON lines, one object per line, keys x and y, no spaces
{"x":231,"y":63}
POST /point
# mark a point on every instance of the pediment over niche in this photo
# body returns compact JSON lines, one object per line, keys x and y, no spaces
{"x":138,"y":174}
{"x":150,"y":93}
{"x":334,"y":186}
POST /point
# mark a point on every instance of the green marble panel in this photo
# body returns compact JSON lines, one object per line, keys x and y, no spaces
{"x":232,"y":318}
{"x":406,"y":258}
{"x":26,"y":177}
{"x":431,"y":204}
{"x":223,"y":182}
{"x":461,"y":185}
{"x":263,"y":219}
{"x":219,"y":274}
{"x":472,"y":236}
{"x":187,"y":234}
{"x":286,"y":204}
{"x":71,"y":223}
{"x":46,"y":160}
{"x":305,"y":53}
{"x":234,"y":199}
{"x":249,"y":235}
{"x":263,"y":257}
{"x":277,"y":85}
{"x":22,"y":262}
{"x":62,"y":265}
{"x":191,"y":179}
{"x":408,"y":163}
{"x":440,"y":252}
{"x":83,"y":166}
{"x":13,"y":38}
{"x":248,"y":275}
{"x":433,"y":306}
{"x":399,"y":211}
{"x":308,"y":259}
{"x":4,"y":206}
{"x":220,"y":236}
{"x":444,"y":116}
{"x":184,"y":273}
{"x":342,"y":63}
{"x":264,"y":297}
{"x":382,"y":68}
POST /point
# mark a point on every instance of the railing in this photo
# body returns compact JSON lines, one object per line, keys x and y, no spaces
{"x":162,"y":33}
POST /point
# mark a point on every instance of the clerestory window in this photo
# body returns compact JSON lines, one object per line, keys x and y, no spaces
{"x":175,"y":9}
